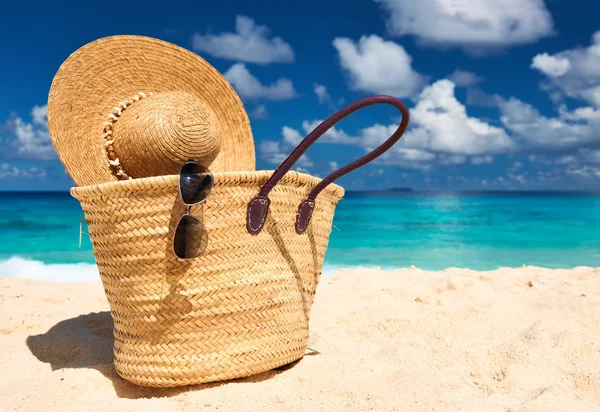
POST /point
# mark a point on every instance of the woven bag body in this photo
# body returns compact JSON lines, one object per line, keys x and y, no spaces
{"x":240,"y":308}
{"x":243,"y":306}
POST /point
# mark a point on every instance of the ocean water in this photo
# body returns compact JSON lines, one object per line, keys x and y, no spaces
{"x":39,"y":232}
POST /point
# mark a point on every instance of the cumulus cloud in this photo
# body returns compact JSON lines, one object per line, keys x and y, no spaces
{"x":574,"y":73}
{"x":441,"y":121}
{"x":453,"y":159}
{"x":551,"y":65}
{"x":249,"y":87}
{"x":441,"y":132}
{"x":515,"y":166}
{"x":250,"y":43}
{"x":521,"y":178}
{"x":475,"y":26}
{"x":590,"y":155}
{"x":582,"y":162}
{"x":368,"y":139}
{"x":540,"y":133}
{"x":333,"y":135}
{"x":377,"y":66}
{"x":481,"y":160}
{"x":39,"y":115}
{"x":321,"y":92}
{"x":30,"y":140}
{"x":585,"y":171}
{"x":463,"y":78}
{"x":271,"y":151}
{"x":291,"y":136}
{"x":275,"y":152}
{"x":9,"y":172}
{"x":260,"y":112}
{"x":567,"y":143}
{"x":323,"y":95}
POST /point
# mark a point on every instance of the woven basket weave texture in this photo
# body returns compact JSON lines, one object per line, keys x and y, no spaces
{"x":239,"y":309}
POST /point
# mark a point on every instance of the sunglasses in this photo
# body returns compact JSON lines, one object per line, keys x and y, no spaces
{"x":195,"y":184}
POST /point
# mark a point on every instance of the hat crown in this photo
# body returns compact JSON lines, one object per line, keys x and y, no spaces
{"x":158,"y":134}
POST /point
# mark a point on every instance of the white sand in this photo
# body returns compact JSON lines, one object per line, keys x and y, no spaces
{"x":513,"y":339}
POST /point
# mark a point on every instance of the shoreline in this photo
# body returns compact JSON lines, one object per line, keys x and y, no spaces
{"x":21,"y":268}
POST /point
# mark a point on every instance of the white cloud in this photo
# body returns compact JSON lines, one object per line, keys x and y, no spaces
{"x":566,"y":160}
{"x":475,"y":26}
{"x":249,"y":87}
{"x":260,"y":112}
{"x":9,"y":172}
{"x":291,"y":136}
{"x":250,"y":43}
{"x":536,"y":131}
{"x":584,"y":171}
{"x":441,"y":122}
{"x":323,"y":95}
{"x":332,"y":135}
{"x":590,"y":155}
{"x":574,"y":73}
{"x":333,"y":166}
{"x":551,"y":65}
{"x":31,"y":140}
{"x":481,"y":160}
{"x":581,"y":114}
{"x":453,"y":159}
{"x":39,"y":115}
{"x":368,"y":139}
{"x":271,"y":151}
{"x":378,"y":66}
{"x":441,"y":132}
{"x":408,"y":158}
{"x":276,"y":152}
{"x":303,"y":170}
{"x":516,"y":166}
{"x":321,"y":92}
{"x":375,"y":135}
{"x":463,"y":78}
{"x":521,"y":178}
{"x":577,"y":157}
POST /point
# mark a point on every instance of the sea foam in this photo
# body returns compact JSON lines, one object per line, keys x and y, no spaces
{"x":18,"y":267}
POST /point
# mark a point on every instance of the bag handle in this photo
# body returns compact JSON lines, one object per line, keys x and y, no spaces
{"x":258,"y":207}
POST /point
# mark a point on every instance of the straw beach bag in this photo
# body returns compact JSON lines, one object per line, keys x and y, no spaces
{"x":243,"y":306}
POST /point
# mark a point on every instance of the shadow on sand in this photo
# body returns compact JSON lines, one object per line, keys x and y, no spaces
{"x":87,"y":342}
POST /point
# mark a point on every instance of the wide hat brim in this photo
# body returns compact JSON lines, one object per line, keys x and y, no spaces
{"x":99,"y":75}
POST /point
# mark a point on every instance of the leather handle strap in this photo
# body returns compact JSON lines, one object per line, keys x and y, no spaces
{"x":258,"y":207}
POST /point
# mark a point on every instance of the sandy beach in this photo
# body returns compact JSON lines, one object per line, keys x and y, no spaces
{"x":524,"y":339}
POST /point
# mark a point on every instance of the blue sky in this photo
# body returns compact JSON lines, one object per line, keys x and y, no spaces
{"x":504,"y":94}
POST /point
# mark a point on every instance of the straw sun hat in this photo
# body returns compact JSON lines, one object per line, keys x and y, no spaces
{"x":130,"y":106}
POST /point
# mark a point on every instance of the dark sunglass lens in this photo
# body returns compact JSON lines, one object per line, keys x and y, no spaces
{"x":190,"y":238}
{"x":195,"y":183}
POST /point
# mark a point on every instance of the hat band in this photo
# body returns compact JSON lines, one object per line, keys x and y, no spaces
{"x":109,"y":139}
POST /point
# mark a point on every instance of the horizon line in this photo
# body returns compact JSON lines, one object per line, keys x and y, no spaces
{"x":391,"y":189}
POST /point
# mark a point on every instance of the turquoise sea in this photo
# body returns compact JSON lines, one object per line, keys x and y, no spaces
{"x":480,"y":230}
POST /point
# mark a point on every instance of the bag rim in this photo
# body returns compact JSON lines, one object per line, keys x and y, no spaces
{"x":231,"y":179}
